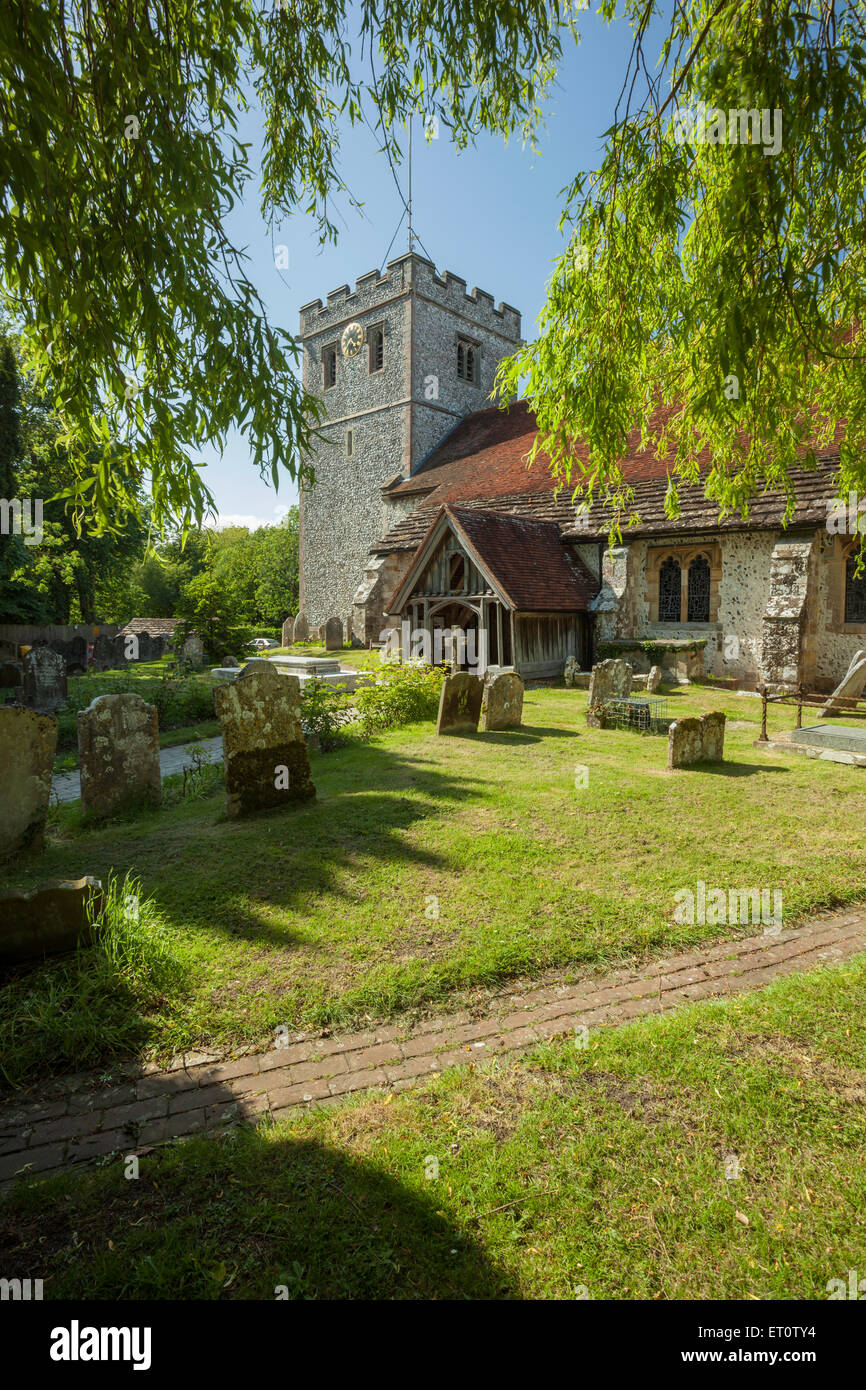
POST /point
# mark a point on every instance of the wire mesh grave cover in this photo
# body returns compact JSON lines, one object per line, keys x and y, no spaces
{"x":647,"y":716}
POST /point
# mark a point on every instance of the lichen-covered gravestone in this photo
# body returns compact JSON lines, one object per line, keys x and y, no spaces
{"x":27,"y":745}
{"x":571,"y":665}
{"x":301,"y":629}
{"x":502,"y":704}
{"x":264,"y":750}
{"x":460,"y":703}
{"x":654,"y":679}
{"x":44,"y":680}
{"x":333,"y":635}
{"x":118,"y":751}
{"x":288,"y":633}
{"x":697,"y":740}
{"x":610,"y":680}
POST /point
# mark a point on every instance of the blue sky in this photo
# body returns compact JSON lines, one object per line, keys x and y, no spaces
{"x":489,"y":214}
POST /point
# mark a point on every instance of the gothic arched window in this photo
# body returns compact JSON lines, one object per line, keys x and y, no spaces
{"x":855,"y":590}
{"x":670,"y":591}
{"x":699,"y":590}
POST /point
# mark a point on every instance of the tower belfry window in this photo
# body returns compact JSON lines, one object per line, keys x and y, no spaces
{"x":376,"y":341}
{"x":329,"y":366}
{"x":467,"y":360}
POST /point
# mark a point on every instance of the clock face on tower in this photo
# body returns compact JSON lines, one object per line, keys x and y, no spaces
{"x":352,"y":340}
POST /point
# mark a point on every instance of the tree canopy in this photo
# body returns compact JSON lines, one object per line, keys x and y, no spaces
{"x":118,"y":141}
{"x":712,"y":292}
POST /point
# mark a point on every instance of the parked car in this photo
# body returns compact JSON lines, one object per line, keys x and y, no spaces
{"x":263,"y":643}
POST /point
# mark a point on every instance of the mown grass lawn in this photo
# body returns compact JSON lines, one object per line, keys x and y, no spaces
{"x":711,"y":1154}
{"x":429,"y":867}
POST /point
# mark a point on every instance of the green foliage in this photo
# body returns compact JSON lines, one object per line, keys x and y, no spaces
{"x":74,"y":1013}
{"x":178,"y":699}
{"x":121,"y":161}
{"x":400,"y":695}
{"x":712,"y":294}
{"x":397,"y":695}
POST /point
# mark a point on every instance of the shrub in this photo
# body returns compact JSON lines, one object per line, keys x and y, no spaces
{"x":398,"y":695}
{"x":178,"y":699}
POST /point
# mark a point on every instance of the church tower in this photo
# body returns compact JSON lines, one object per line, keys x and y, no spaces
{"x":398,"y":362}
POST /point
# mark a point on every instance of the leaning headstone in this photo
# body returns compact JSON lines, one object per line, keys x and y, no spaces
{"x":118,"y":752}
{"x":264,"y":750}
{"x":654,"y":679}
{"x":460,"y":703}
{"x":849,"y":688}
{"x":27,"y":745}
{"x":287,"y":634}
{"x":610,"y":680}
{"x":301,"y":629}
{"x":502,"y":702}
{"x":333,"y":635}
{"x":44,"y":680}
{"x":56,"y":916}
{"x":696,"y":740}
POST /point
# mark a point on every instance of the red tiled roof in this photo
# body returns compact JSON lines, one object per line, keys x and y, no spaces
{"x":526,"y":559}
{"x":482,"y":464}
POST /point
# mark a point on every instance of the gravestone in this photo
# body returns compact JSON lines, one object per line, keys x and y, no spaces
{"x":460,"y":703}
{"x":610,"y":680}
{"x":118,"y":752}
{"x":333,"y":635}
{"x":301,"y":629}
{"x":44,"y":680}
{"x":654,"y":679}
{"x":264,"y":750}
{"x":28,"y":742}
{"x":288,"y":632}
{"x":56,"y":916}
{"x":571,"y":665}
{"x":502,"y":702}
{"x":193,"y":649}
{"x":849,"y":688}
{"x":231,"y":661}
{"x":696,"y":740}
{"x":10,"y":674}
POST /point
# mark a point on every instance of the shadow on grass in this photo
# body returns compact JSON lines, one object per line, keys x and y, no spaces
{"x":241,"y":1216}
{"x":731,"y":769}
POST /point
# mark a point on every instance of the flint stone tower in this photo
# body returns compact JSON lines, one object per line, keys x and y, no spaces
{"x":398,"y":362}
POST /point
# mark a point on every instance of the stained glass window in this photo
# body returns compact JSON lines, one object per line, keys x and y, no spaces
{"x":699,"y":590}
{"x":855,"y":591}
{"x":670,"y":591}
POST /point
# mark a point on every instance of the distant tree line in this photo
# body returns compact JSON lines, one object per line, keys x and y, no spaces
{"x":75,"y":573}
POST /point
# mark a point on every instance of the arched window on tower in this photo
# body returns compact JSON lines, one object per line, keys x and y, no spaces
{"x":670,"y":591}
{"x":699,"y":590}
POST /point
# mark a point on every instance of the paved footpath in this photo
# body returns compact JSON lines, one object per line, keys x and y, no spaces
{"x":75,"y":1119}
{"x":66,"y":786}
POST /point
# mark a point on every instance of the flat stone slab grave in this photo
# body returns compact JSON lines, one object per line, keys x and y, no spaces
{"x":838,"y":738}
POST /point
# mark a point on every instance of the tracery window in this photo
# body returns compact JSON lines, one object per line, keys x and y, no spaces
{"x":670,"y":591}
{"x":699,"y":590}
{"x":855,"y":590}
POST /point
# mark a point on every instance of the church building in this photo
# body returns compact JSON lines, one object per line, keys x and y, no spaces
{"x":423,"y":510}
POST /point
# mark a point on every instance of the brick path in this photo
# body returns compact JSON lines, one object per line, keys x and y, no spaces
{"x":74,"y":1119}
